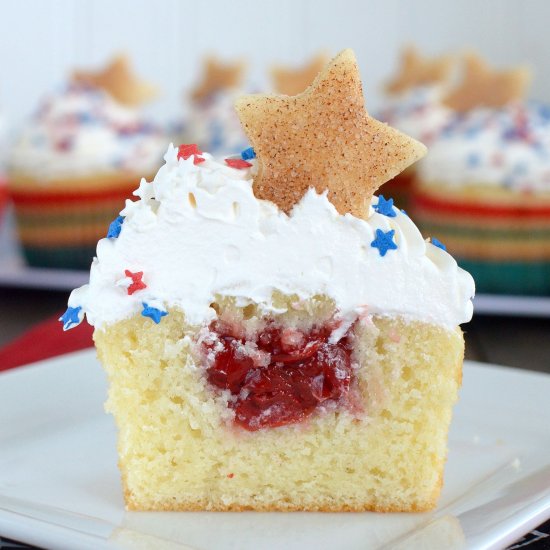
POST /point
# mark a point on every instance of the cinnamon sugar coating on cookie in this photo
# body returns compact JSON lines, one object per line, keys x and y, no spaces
{"x":290,"y":81}
{"x":218,"y":76}
{"x":482,"y":86}
{"x":416,"y":70}
{"x":324,"y":139}
{"x":119,"y":81}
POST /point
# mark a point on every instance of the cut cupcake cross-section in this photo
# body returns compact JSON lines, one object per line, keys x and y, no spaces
{"x":279,"y":339}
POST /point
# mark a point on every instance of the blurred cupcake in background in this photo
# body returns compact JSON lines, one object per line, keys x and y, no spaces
{"x":212,"y":121}
{"x":414,"y":105}
{"x":81,"y":154}
{"x":293,"y":81}
{"x":484,"y":187}
{"x":3,"y":182}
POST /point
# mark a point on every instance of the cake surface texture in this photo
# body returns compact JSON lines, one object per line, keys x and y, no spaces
{"x":275,"y":358}
{"x":179,"y":451}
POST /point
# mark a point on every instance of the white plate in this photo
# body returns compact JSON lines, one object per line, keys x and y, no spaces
{"x":59,"y":484}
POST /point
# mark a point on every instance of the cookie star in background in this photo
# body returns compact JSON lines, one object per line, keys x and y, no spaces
{"x":416,"y":70}
{"x":482,"y":86}
{"x":218,"y":76}
{"x":325,"y":139}
{"x":289,"y":81}
{"x":118,"y":80}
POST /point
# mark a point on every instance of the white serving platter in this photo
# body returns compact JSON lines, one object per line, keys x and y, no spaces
{"x":60,"y":488}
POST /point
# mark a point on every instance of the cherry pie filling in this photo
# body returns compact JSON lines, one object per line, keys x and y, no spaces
{"x":281,"y":376}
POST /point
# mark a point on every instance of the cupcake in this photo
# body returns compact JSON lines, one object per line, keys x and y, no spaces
{"x":212,"y":122}
{"x":3,"y":183}
{"x":414,"y":105}
{"x":484,"y":189}
{"x":83,"y":151}
{"x":275,"y":336}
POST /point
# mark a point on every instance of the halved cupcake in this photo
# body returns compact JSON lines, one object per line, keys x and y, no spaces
{"x":280,"y":353}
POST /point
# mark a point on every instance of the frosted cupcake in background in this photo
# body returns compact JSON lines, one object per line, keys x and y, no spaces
{"x":484,"y":189}
{"x":3,"y":185}
{"x":84,"y":150}
{"x":414,"y":105}
{"x":212,"y":122}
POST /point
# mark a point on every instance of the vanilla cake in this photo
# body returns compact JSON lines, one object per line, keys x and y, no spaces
{"x":273,"y":357}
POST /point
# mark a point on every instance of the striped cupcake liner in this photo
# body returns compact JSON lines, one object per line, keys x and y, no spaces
{"x":61,"y":229}
{"x":506,"y":247}
{"x":3,"y":197}
{"x":399,"y":189}
{"x":523,"y":278}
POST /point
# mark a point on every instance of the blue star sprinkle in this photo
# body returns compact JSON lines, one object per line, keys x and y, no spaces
{"x":473,"y":160}
{"x":85,"y":118}
{"x":248,"y":154}
{"x":115,"y":227}
{"x":384,"y":241}
{"x":71,"y":318}
{"x":153,"y":313}
{"x":438,"y":243}
{"x":216,"y":136}
{"x":520,"y":169}
{"x":544,"y":112}
{"x":385,"y":207}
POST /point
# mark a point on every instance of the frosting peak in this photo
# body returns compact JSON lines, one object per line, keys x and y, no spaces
{"x":197,"y":231}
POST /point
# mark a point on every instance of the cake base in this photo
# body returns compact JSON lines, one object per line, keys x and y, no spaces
{"x":179,"y":449}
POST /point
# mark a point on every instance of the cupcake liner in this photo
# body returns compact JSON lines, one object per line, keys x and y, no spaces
{"x":523,"y":278}
{"x":399,"y":188}
{"x":3,"y":198}
{"x":503,"y":243}
{"x":60,"y":227}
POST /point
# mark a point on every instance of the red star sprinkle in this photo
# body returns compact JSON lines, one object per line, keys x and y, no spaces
{"x":238,"y":163}
{"x":137,"y":283}
{"x":188,"y":149}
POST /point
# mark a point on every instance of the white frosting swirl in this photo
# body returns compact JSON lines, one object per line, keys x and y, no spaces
{"x":214,"y":125}
{"x":508,"y":147}
{"x":417,"y":112}
{"x":198,"y":231}
{"x":82,"y":131}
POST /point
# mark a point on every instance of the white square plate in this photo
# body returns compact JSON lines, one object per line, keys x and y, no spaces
{"x":60,"y":488}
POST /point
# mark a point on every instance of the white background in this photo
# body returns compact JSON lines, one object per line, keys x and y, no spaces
{"x":42,"y":40}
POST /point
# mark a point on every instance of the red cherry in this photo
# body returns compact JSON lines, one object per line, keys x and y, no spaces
{"x":304,"y":370}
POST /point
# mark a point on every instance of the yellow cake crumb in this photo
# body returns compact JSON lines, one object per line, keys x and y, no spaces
{"x":179,"y":450}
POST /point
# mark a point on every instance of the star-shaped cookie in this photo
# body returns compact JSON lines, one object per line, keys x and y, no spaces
{"x":218,"y":76}
{"x":118,"y":80}
{"x":325,"y":139}
{"x":290,"y":81}
{"x":416,"y":70}
{"x":482,"y":86}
